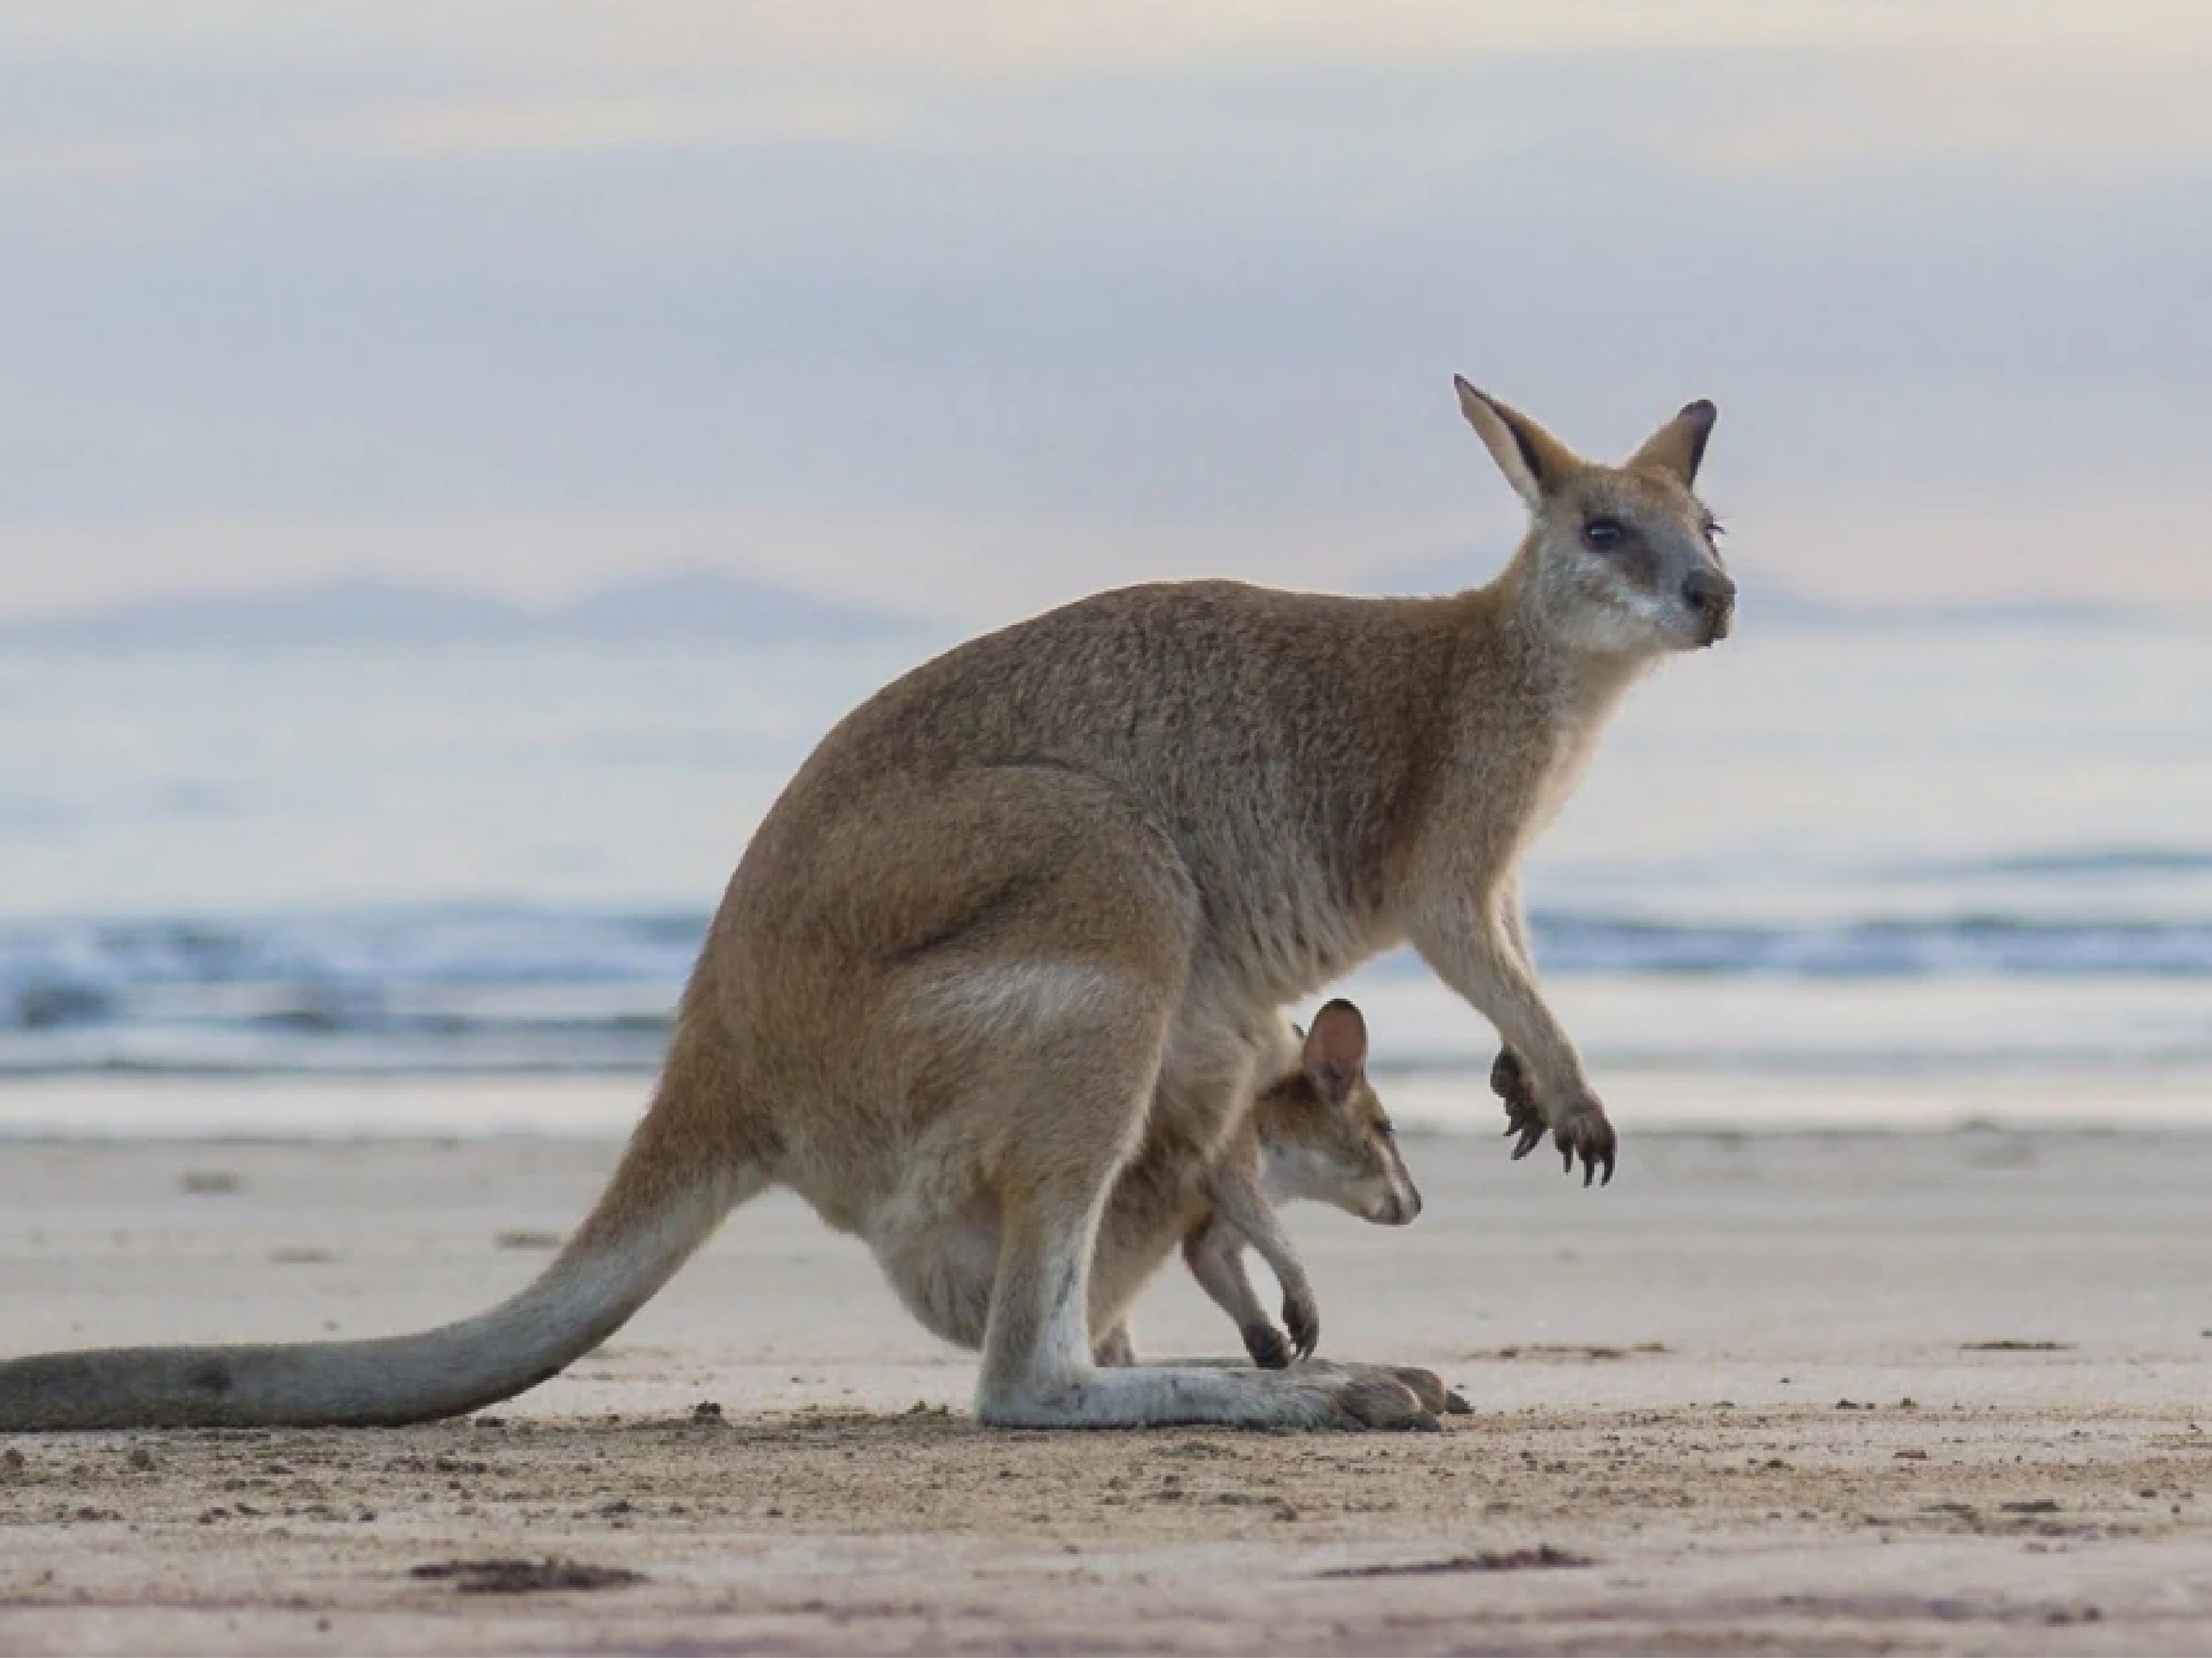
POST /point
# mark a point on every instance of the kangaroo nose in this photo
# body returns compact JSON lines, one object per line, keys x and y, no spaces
{"x":1712,"y":598}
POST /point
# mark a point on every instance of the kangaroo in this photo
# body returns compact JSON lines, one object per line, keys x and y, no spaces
{"x":1318,"y":1132}
{"x":1013,"y":942}
{"x":1315,"y":1131}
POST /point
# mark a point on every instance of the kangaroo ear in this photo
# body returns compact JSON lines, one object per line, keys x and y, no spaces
{"x":1534,"y":461}
{"x":1335,"y":1056}
{"x":1677,"y":447}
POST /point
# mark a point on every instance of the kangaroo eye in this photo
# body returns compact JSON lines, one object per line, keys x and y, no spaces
{"x":1602,"y":535}
{"x":1714,"y":528}
{"x":1387,"y":1129}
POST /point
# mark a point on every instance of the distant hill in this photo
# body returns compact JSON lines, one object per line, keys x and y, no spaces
{"x":1767,"y":601}
{"x":709,"y":604}
{"x":687,"y":606}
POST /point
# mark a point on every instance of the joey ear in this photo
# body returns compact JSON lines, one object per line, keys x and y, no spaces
{"x":1677,"y":447}
{"x":1335,"y":1056}
{"x":1534,"y":461}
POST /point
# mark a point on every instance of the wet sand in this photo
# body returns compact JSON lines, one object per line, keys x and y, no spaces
{"x":1834,"y":1392}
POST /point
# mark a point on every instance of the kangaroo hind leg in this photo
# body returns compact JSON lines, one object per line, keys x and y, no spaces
{"x":1056,"y":1178}
{"x":1041,"y":988}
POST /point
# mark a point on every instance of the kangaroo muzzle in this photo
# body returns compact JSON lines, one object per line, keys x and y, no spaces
{"x":1710,"y":597}
{"x":1397,"y":1206}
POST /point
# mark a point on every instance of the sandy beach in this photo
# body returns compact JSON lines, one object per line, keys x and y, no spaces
{"x":1940,"y":1391}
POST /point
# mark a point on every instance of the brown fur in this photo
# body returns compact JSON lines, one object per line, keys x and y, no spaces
{"x":1010,"y":946}
{"x":1319,"y":1132}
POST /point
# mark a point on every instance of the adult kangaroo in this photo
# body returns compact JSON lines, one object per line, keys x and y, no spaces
{"x":1021,"y":927}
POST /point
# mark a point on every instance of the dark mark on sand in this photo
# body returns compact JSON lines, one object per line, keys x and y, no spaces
{"x":525,"y":1576}
{"x":1541,"y":1557}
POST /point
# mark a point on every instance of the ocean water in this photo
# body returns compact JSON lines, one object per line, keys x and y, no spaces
{"x":1886,"y":856}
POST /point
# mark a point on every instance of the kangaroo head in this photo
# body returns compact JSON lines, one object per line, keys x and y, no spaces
{"x":1326,"y":1136}
{"x":1619,"y":559}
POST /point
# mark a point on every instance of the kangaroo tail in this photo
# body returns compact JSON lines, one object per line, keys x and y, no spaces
{"x":679,"y":1177}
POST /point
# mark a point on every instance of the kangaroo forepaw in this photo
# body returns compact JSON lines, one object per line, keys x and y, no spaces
{"x":1588,"y":1136}
{"x":1523,"y":1116}
{"x":1269,"y":1347}
{"x":1583,"y":1134}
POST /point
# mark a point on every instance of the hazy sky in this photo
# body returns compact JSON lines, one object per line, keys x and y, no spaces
{"x":969,"y":306}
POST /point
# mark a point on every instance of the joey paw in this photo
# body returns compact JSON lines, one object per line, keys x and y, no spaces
{"x":1269,"y":1347}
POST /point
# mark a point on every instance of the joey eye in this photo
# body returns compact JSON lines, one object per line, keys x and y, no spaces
{"x":1603,"y":535}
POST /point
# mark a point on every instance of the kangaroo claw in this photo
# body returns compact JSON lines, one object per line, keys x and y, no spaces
{"x":1587,"y":1138}
{"x":1523,"y":1117}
